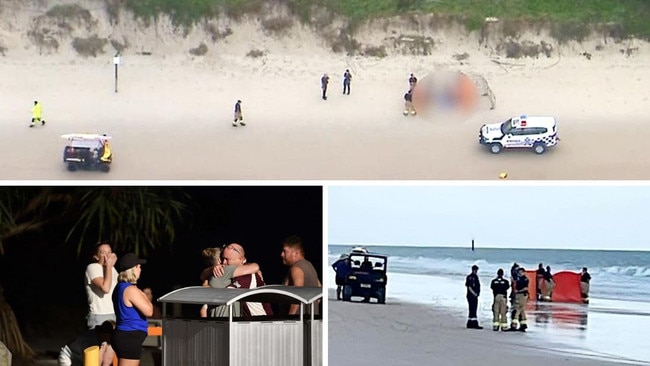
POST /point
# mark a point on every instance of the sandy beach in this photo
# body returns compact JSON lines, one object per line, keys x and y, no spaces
{"x":171,"y":117}
{"x":400,"y":333}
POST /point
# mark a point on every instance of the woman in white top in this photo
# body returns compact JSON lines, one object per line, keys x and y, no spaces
{"x":101,"y":278}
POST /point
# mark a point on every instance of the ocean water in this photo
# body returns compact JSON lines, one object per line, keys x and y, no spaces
{"x":619,"y":295}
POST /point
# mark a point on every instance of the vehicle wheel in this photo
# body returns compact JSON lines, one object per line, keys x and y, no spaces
{"x":381,"y":295}
{"x":71,"y":167}
{"x":347,"y":293}
{"x":539,"y":148}
{"x":105,"y":168}
{"x":496,"y":148}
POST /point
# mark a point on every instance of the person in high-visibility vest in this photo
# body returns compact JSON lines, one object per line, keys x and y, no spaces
{"x":37,"y":114}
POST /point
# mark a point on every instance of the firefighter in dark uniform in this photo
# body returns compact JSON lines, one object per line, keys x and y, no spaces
{"x":514,"y":275}
{"x":500,"y":288}
{"x":519,"y":321}
{"x":473,"y":286}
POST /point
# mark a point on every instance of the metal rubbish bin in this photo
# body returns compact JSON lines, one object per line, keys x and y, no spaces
{"x":252,"y":341}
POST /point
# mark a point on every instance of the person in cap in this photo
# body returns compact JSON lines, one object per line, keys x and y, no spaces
{"x":473,"y":286}
{"x":341,"y":267}
{"x":132,"y":307}
{"x":500,"y":287}
{"x":519,"y":321}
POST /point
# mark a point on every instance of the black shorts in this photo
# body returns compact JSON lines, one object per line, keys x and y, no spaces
{"x":128,"y":344}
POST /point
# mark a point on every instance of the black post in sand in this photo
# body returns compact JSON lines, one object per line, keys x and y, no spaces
{"x":116,"y":62}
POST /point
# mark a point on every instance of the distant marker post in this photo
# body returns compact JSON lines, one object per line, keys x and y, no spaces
{"x":116,"y":62}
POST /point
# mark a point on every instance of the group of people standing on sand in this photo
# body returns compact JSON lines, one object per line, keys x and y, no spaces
{"x":325,"y":80}
{"x":119,"y":310}
{"x":519,"y":294}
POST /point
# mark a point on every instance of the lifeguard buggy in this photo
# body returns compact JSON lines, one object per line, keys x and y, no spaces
{"x":87,"y":151}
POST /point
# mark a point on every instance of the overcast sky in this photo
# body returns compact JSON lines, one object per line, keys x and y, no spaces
{"x":497,"y":216}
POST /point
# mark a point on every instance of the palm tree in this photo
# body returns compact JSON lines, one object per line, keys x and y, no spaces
{"x":135,"y":219}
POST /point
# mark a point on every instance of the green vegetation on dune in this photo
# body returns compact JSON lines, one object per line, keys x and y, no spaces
{"x":631,"y":15}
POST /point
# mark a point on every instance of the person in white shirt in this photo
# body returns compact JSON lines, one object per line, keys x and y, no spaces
{"x":101,"y":278}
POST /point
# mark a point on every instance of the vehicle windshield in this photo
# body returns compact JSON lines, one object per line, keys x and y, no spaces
{"x":506,"y":126}
{"x":367,"y":262}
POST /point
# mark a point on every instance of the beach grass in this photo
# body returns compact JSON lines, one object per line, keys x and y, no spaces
{"x":568,"y":16}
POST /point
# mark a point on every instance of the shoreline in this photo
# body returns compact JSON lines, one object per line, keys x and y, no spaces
{"x":408,"y":333}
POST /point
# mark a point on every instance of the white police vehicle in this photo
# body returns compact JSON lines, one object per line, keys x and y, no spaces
{"x":537,"y":133}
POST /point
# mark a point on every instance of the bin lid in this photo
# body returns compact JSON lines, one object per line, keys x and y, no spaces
{"x":228,"y":296}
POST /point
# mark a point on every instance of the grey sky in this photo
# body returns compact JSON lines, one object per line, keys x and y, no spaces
{"x":501,"y":216}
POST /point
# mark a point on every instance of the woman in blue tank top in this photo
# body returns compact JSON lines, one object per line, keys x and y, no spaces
{"x":132,"y":307}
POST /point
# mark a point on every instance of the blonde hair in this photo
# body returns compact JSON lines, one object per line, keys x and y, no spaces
{"x":212,"y":256}
{"x":128,"y":276}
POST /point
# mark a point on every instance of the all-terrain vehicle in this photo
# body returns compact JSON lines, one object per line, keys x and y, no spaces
{"x":367,"y":277}
{"x":87,"y":151}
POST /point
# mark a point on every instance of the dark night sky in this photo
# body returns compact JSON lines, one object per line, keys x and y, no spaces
{"x":40,"y":283}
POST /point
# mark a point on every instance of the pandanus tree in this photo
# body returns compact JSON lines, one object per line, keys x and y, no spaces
{"x":135,"y":219}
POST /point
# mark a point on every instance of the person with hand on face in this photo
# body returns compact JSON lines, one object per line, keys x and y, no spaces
{"x":301,"y":271}
{"x":132,"y":307}
{"x":101,"y":279}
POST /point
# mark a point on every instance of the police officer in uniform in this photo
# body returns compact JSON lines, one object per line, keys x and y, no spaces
{"x":521,"y":297}
{"x":500,"y":288}
{"x":341,"y":267}
{"x":473,"y":286}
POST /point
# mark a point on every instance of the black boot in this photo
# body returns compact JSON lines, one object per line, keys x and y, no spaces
{"x":523,"y":327}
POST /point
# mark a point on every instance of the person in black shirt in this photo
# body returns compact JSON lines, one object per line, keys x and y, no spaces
{"x":540,"y":280}
{"x":519,"y":321}
{"x":585,"y":277}
{"x":549,"y":284}
{"x":500,"y":288}
{"x":324,"y":80}
{"x":514,"y":275}
{"x":239,"y":117}
{"x":341,"y":267}
{"x":408,"y":103}
{"x":473,"y":286}
{"x":412,"y":81}
{"x":347,"y":78}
